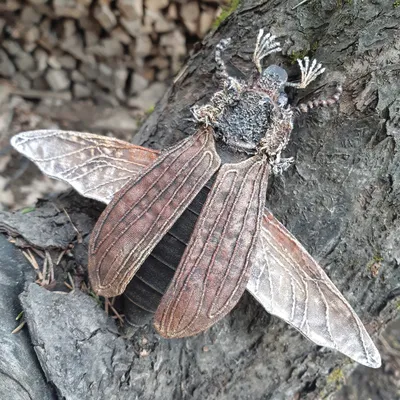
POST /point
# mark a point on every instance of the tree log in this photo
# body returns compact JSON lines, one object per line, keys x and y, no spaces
{"x":341,"y":200}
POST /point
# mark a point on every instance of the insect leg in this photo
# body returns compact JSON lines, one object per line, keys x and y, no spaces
{"x":230,"y":84}
{"x":208,"y":113}
{"x":221,"y":67}
{"x":305,"y":107}
{"x":265,"y":45}
{"x":308,"y":72}
{"x":281,"y":165}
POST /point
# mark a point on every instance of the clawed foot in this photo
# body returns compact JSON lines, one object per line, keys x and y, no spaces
{"x":308,"y":72}
{"x":204,"y":114}
{"x":265,"y":45}
{"x":280,"y":165}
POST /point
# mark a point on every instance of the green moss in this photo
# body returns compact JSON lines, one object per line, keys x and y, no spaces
{"x":396,"y":3}
{"x":340,"y":3}
{"x":336,"y":377}
{"x":375,"y":265}
{"x":149,"y":110}
{"x":99,"y":301}
{"x":142,"y":118}
{"x":302,"y":53}
{"x":314,"y":47}
{"x":296,"y":55}
{"x":334,"y":381}
{"x":27,"y":210}
{"x":226,"y":12}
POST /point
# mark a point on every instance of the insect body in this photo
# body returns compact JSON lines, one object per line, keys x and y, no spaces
{"x":253,"y":118}
{"x":236,"y":243}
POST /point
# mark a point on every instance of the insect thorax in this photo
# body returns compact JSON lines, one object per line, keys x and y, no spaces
{"x":251,"y":117}
{"x":255,"y":117}
{"x":254,"y":120}
{"x":244,"y":123}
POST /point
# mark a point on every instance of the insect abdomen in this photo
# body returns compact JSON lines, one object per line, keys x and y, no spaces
{"x":143,"y":294}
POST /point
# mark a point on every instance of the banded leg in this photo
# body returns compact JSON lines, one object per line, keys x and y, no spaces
{"x":208,"y":113}
{"x":309,"y":72}
{"x":221,"y":67}
{"x":305,"y":107}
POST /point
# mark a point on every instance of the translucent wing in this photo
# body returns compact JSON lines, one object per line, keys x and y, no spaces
{"x":96,"y":166}
{"x":215,"y":267}
{"x":143,"y":211}
{"x":289,"y":283}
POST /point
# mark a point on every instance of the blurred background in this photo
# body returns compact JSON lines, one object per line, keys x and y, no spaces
{"x":96,"y":66}
{"x":101,"y":66}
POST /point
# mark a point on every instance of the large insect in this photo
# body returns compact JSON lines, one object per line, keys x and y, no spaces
{"x":236,"y":243}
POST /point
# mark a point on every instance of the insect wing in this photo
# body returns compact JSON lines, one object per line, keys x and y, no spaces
{"x":145,"y":209}
{"x":98,"y":167}
{"x":290,"y":284}
{"x":215,"y":267}
{"x":95,"y":166}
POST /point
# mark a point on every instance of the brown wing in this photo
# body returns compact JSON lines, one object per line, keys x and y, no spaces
{"x":215,"y":267}
{"x":290,"y":284}
{"x":145,"y":209}
{"x":95,"y":166}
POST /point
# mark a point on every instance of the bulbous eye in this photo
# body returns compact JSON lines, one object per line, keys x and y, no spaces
{"x":277,"y":73}
{"x":282,"y":99}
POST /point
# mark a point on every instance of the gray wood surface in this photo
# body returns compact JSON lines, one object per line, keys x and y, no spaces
{"x":21,"y":377}
{"x":341,"y":199}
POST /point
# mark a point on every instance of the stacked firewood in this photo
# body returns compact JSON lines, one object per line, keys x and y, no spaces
{"x":106,"y":50}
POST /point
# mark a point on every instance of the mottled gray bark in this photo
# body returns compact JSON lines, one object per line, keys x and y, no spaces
{"x":21,"y":377}
{"x":340,"y":199}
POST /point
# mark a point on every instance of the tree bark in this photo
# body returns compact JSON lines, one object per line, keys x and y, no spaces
{"x":340,"y":200}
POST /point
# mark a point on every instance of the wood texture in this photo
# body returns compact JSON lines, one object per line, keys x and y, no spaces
{"x":341,"y":200}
